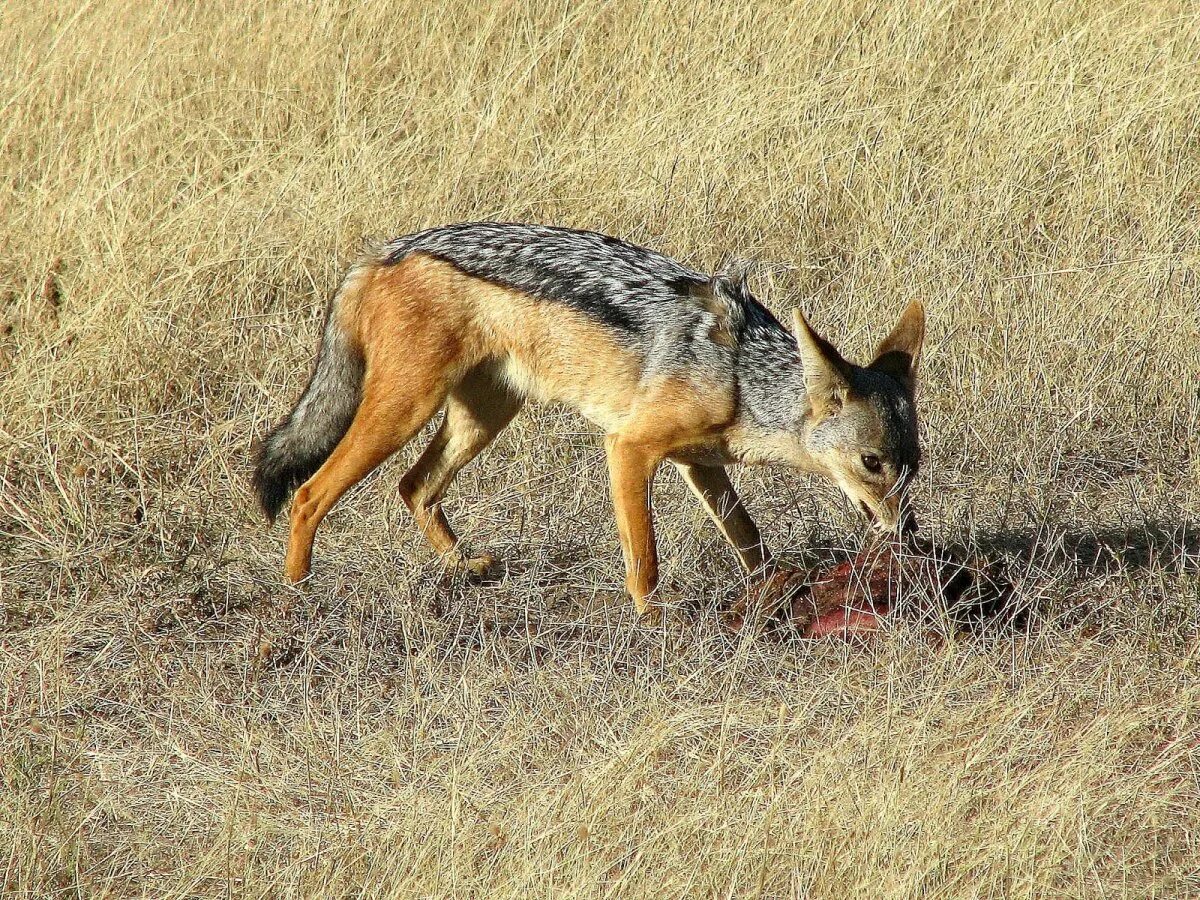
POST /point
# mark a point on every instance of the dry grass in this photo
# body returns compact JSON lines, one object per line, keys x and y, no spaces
{"x":175,"y":721}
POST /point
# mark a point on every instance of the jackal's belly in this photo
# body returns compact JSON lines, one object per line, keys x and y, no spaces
{"x":712,"y":452}
{"x":604,"y":401}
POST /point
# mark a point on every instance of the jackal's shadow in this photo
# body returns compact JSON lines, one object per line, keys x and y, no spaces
{"x":1158,"y":545}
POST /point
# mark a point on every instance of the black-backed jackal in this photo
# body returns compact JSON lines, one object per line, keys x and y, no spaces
{"x":673,"y":364}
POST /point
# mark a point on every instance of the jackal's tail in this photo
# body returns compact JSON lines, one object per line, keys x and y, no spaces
{"x":296,"y":448}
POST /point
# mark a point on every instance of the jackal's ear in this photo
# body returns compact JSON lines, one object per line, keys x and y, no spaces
{"x":898,"y":354}
{"x":825,"y":372}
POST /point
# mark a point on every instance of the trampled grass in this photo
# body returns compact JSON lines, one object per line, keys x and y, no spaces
{"x":181,"y":186}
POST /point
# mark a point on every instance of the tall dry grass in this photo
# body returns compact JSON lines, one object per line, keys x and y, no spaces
{"x":180,"y":187}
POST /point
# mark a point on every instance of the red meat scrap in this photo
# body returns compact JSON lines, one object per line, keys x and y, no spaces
{"x":915,"y":581}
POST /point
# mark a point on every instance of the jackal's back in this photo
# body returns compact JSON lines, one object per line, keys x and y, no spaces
{"x":625,"y":287}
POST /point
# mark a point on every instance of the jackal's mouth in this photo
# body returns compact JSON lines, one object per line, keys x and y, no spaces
{"x":904,"y":526}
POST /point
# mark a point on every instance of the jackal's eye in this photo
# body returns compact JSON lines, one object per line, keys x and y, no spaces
{"x":871,"y":462}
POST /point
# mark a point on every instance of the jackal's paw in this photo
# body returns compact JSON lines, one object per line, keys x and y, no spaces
{"x":649,"y":614}
{"x":481,"y":565}
{"x":475,"y":566}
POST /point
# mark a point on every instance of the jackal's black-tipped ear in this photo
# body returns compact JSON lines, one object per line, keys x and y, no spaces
{"x":826,"y":374}
{"x":898,"y":354}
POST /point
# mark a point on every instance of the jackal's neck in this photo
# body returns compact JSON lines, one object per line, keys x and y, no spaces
{"x":772,"y":402}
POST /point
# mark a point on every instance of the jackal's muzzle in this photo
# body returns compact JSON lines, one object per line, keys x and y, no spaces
{"x":892,"y":515}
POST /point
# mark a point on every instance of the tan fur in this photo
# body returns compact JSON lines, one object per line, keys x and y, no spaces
{"x":431,"y":335}
{"x":673,"y":416}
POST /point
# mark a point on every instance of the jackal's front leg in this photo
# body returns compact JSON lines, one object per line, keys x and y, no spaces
{"x":715,"y":491}
{"x":631,"y":470}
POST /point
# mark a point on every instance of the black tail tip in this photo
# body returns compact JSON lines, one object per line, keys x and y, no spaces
{"x":271,"y":494}
{"x":272,"y":484}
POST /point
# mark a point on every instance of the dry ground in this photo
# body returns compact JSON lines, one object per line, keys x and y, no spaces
{"x":175,"y":721}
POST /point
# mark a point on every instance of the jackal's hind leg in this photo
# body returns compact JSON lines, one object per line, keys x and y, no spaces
{"x":383,"y":424}
{"x":477,"y":410}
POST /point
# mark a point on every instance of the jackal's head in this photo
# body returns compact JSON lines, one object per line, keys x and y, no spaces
{"x":862,"y":427}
